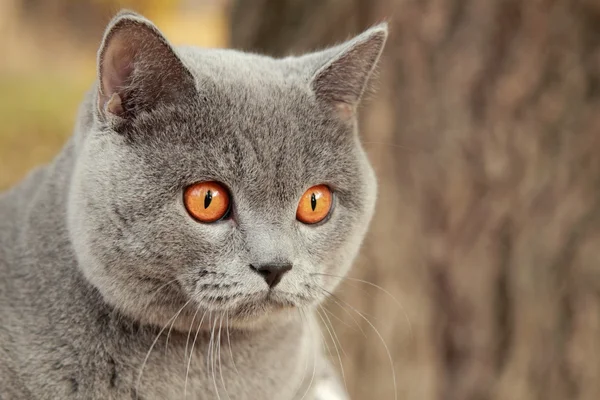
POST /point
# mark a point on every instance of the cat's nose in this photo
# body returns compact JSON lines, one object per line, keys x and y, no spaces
{"x":272,"y":272}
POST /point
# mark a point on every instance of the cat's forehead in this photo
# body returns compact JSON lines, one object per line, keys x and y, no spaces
{"x":249,"y":128}
{"x":243,"y":96}
{"x":246,"y":69}
{"x":255,"y":119}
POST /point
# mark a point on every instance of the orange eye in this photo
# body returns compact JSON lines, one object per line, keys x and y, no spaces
{"x":315,"y":205}
{"x":206,"y":201}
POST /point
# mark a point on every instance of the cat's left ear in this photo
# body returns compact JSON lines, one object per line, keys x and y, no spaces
{"x":341,"y":80}
{"x":138,"y":69}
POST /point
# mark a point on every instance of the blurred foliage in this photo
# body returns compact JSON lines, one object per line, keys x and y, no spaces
{"x":37,"y":114}
{"x":50,"y":49}
{"x":145,"y":6}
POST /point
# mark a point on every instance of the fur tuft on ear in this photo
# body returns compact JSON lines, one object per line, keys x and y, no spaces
{"x":137,"y":68}
{"x":341,"y":81}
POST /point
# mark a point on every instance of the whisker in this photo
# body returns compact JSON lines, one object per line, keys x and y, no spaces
{"x":345,"y":278}
{"x":323,"y":336}
{"x":170,"y":328}
{"x":139,"y":378}
{"x":161,"y":287}
{"x":391,"y":360}
{"x":208,"y":353}
{"x":335,"y":300}
{"x":312,"y":378}
{"x":187,"y":371}
{"x":229,"y":343}
{"x":219,"y":357}
{"x":336,"y":347}
{"x":299,"y":386}
{"x":213,"y":362}
{"x":333,"y":330}
{"x":187,"y":341}
{"x":341,"y":321}
{"x":157,"y":292}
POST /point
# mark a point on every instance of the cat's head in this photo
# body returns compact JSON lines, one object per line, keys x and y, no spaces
{"x":231,"y":182}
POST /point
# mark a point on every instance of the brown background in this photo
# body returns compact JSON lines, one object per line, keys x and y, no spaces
{"x":484,"y":130}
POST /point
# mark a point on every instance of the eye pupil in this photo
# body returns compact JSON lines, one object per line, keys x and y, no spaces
{"x":313,"y":201}
{"x":207,"y":199}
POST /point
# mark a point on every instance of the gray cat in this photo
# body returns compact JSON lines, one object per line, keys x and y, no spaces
{"x":177,"y":246}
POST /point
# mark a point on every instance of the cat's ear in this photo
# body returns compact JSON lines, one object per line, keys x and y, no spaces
{"x":342,"y":79}
{"x":137,"y":68}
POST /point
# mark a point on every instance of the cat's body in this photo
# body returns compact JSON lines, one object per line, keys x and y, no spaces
{"x":100,"y":265}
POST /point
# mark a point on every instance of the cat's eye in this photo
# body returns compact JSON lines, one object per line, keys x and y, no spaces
{"x":315,"y":205}
{"x":207,"y":201}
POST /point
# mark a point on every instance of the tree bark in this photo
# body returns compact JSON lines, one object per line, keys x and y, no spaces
{"x":484,"y":132}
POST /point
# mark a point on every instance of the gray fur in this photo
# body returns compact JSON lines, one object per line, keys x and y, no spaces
{"x":97,"y":252}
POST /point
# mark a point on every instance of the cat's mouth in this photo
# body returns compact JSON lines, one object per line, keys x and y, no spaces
{"x":275,"y":299}
{"x":261,"y":304}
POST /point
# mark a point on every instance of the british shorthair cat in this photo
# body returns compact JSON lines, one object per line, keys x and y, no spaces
{"x":177,"y":246}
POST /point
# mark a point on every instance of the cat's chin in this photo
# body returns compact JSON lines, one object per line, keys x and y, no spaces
{"x":258,"y":307}
{"x":257,"y":316}
{"x":249,"y":313}
{"x":270,"y":302}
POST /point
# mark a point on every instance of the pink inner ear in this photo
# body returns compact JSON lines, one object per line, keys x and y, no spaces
{"x":138,"y":69}
{"x":117,"y":66}
{"x":345,"y":111}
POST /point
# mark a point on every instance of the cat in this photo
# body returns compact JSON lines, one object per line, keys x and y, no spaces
{"x":177,"y":246}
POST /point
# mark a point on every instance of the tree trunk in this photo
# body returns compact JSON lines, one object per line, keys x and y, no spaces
{"x":484,"y":132}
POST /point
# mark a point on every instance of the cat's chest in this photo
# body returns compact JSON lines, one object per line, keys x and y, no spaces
{"x":206,"y":369}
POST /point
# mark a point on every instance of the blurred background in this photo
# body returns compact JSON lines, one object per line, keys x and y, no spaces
{"x":484,"y":130}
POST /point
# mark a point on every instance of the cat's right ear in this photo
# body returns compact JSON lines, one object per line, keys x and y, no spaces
{"x":138,"y":69}
{"x":343,"y":71}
